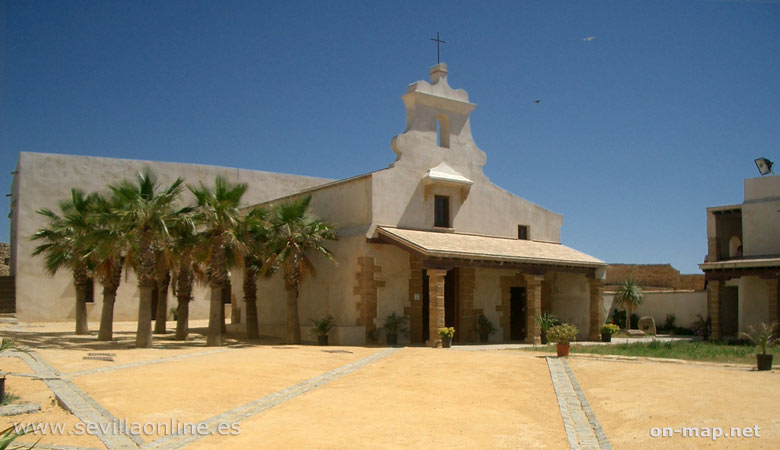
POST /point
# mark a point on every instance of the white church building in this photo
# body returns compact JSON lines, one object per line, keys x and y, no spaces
{"x":429,"y":237}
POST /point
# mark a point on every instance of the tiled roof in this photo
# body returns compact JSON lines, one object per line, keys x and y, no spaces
{"x":471,"y":246}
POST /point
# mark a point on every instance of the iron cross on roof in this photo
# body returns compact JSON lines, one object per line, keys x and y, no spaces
{"x":438,"y":43}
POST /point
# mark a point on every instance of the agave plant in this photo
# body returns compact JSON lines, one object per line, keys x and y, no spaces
{"x":629,"y":296}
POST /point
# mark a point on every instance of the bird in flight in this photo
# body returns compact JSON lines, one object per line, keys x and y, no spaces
{"x":589,"y":38}
{"x":537,"y":101}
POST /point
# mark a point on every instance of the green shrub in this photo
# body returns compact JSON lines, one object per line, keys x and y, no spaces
{"x":608,"y":328}
{"x":323,"y":326}
{"x":485,"y":326}
{"x":547,"y":320}
{"x":619,"y":319}
{"x":396,"y":324}
{"x":562,"y":334}
{"x":763,"y":336}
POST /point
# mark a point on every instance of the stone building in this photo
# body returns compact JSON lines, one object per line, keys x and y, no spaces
{"x":432,"y":238}
{"x":429,"y":237}
{"x":41,"y":180}
{"x":743,"y":259}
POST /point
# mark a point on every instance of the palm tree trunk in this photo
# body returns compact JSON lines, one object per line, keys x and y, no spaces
{"x":184,"y":295}
{"x":106,"y":332}
{"x":80,"y":280}
{"x":182,"y":319}
{"x":250,"y":303}
{"x":146,"y":270}
{"x":110,"y":282}
{"x":214,"y":337}
{"x":293,"y":321}
{"x":217,"y":275}
{"x":81,"y":310}
{"x":162,"y":303}
{"x":628,"y":317}
{"x":143,"y":337}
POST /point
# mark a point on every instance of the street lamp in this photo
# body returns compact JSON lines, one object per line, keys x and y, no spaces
{"x":764,"y":166}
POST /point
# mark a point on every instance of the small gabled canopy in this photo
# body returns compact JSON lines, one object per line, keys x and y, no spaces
{"x":445,"y":174}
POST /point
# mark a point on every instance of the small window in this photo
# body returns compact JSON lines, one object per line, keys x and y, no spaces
{"x":441,"y":213}
{"x":522,"y":232}
{"x":90,"y":295}
{"x":443,"y":131}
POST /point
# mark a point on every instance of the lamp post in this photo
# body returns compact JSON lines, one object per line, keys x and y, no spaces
{"x":764,"y":166}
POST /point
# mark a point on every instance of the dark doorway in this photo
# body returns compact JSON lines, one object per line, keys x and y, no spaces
{"x":729,"y":311}
{"x":517,"y":313}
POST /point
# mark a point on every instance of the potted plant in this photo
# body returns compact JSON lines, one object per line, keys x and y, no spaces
{"x":562,"y":335}
{"x":546,"y":321}
{"x":763,"y":337}
{"x":485,"y":328}
{"x":607,"y":330}
{"x":322,"y":327}
{"x":395,"y":325}
{"x":446,"y":335}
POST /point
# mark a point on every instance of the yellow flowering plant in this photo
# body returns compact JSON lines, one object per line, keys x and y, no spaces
{"x":447,"y":332}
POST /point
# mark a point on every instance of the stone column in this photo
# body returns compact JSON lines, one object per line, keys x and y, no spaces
{"x":773,"y":299}
{"x":713,"y":306}
{"x":596,"y":308}
{"x":533,"y":289}
{"x":436,"y":305}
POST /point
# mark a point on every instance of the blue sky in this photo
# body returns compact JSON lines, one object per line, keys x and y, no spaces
{"x":636,"y":132}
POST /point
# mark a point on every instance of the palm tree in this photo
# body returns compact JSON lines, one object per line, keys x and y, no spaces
{"x":629,"y":296}
{"x":108,"y":256}
{"x":147,"y":212}
{"x":216,"y":212}
{"x":185,"y":248}
{"x":66,"y":245}
{"x":254,"y":235}
{"x":294,"y":232}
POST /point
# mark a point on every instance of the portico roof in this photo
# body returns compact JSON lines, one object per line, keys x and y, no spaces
{"x":763,"y":266}
{"x":462,"y":246}
{"x":743,"y":263}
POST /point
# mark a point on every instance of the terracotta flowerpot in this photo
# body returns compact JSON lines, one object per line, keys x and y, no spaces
{"x":322,"y":340}
{"x":392,"y":339}
{"x":562,"y":349}
{"x":764,"y":361}
{"x":446,"y":341}
{"x":606,"y":337}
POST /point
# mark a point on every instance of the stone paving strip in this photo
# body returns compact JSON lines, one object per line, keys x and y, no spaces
{"x":260,"y":405}
{"x":582,"y":428}
{"x":141,"y":363}
{"x":79,"y":403}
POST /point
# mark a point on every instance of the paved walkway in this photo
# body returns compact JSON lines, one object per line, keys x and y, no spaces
{"x":79,"y":403}
{"x":89,"y":411}
{"x":582,"y":428}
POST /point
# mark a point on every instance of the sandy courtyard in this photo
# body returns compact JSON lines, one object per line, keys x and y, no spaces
{"x":374,"y":397}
